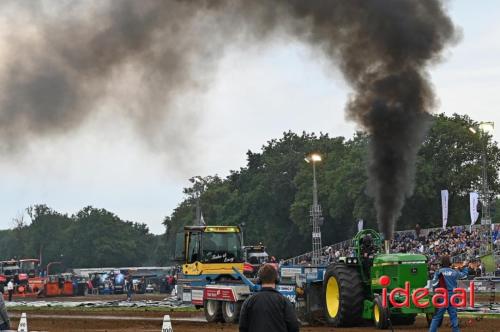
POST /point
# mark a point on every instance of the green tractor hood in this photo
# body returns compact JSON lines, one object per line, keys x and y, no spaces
{"x":392,"y":259}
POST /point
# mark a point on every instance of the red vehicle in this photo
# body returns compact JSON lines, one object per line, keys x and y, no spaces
{"x":24,"y":275}
{"x":31,"y":268}
{"x":57,"y":283}
{"x":8,"y":270}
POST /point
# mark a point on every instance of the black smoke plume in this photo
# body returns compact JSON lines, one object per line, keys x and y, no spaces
{"x":63,"y":61}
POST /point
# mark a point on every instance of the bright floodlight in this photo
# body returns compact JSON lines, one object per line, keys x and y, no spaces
{"x":316,"y":157}
{"x":487,"y":127}
{"x":472,"y":130}
{"x":313,"y":157}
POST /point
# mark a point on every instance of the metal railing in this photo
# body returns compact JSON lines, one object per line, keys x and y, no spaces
{"x":347,"y":245}
{"x":306,"y":258}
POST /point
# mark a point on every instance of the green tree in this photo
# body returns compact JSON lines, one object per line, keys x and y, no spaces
{"x":272,"y":194}
{"x":47,"y":234}
{"x":103,"y":239}
{"x":450,"y":158}
{"x":90,"y":238}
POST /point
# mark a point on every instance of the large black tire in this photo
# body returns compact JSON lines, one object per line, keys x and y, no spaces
{"x":231,"y":311}
{"x":403,"y":320}
{"x":381,"y":315}
{"x":343,"y":295}
{"x":213,"y":311}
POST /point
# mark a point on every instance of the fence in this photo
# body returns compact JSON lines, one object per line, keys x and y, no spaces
{"x":482,"y":285}
{"x":344,"y":245}
{"x":347,"y":244}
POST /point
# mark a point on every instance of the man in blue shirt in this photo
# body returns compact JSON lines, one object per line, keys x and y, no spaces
{"x":447,"y":278}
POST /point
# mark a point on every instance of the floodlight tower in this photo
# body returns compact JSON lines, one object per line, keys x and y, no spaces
{"x":484,"y":129}
{"x":199,"y":185}
{"x":315,"y":213}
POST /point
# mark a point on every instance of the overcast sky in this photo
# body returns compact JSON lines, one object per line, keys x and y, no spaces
{"x":256,"y":96}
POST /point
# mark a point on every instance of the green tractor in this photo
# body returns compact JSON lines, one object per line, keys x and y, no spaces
{"x":353,"y":291}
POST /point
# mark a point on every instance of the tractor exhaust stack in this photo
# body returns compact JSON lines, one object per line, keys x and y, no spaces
{"x":386,"y":245}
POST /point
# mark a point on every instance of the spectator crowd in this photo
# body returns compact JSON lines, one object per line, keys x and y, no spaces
{"x":459,"y":242}
{"x":454,"y":241}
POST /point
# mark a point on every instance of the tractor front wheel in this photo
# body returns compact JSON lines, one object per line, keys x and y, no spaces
{"x":380,"y":314}
{"x":343,"y":293}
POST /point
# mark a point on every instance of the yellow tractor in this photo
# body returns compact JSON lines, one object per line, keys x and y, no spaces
{"x":212,"y":264}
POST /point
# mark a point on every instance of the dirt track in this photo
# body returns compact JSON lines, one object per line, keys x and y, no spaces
{"x":153,"y":321}
{"x":121,"y":319}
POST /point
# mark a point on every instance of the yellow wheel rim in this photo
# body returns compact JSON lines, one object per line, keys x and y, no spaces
{"x":376,"y":313}
{"x":332,"y":297}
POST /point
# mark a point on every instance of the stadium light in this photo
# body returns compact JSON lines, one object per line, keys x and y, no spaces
{"x":313,"y":158}
{"x":487,"y":127}
{"x":484,"y":127}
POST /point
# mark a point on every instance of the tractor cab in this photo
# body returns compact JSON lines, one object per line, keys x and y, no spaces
{"x":30,"y":267}
{"x":209,"y":250}
{"x":367,"y":245}
{"x":10,"y":268}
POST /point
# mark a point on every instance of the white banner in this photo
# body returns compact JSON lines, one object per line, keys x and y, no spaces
{"x":474,"y":199}
{"x":444,"y":205}
{"x":360,"y":225}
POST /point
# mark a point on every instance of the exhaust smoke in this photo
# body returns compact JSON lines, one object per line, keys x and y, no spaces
{"x":64,"y":60}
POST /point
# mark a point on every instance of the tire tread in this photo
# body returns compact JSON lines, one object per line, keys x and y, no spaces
{"x":351,"y":295}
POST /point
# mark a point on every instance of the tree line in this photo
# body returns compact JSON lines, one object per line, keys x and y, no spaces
{"x":271,"y":195}
{"x":90,"y":238}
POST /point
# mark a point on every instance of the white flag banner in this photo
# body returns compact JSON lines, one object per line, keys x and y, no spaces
{"x":360,"y":225}
{"x":474,"y":199}
{"x":444,"y":205}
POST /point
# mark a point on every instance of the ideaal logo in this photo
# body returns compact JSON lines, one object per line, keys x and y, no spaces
{"x":440,"y":299}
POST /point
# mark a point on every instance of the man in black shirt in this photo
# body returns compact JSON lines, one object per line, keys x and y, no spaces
{"x":268,"y":310}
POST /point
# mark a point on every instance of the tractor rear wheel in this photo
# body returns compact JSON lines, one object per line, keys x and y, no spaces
{"x":380,"y":314}
{"x":213,"y":311}
{"x":343,"y":294}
